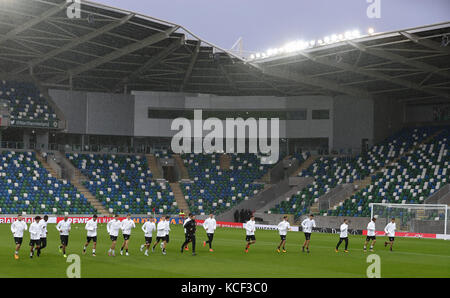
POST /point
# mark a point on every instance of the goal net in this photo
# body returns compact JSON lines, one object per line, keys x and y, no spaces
{"x":414,"y":218}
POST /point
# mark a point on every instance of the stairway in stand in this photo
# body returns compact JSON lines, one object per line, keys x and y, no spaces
{"x":153,"y":166}
{"x":225,"y":162}
{"x":309,"y":161}
{"x":179,"y":197}
{"x":77,"y":181}
{"x":184,"y":174}
{"x":44,"y":163}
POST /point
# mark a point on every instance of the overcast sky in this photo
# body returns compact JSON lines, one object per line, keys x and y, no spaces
{"x":271,"y":23}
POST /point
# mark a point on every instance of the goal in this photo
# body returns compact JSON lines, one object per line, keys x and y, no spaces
{"x":415,"y":219}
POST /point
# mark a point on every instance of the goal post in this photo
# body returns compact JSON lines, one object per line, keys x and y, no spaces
{"x":415,"y":218}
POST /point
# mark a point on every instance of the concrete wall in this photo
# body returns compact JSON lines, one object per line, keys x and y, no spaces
{"x":95,"y":112}
{"x":108,"y":113}
{"x":73,"y":105}
{"x":353,"y":121}
{"x":389,"y":116}
{"x":419,"y":113}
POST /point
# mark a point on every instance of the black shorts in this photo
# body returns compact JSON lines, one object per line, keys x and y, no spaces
{"x":126,"y":237}
{"x":43,"y":241}
{"x":368,"y":238}
{"x":167,"y":238}
{"x":391,"y":239}
{"x":36,"y":242}
{"x":250,"y":238}
{"x":163,"y":238}
{"x":307,"y":236}
{"x":64,"y":239}
{"x":89,"y":239}
{"x":18,"y":240}
{"x":113,"y":238}
{"x":148,"y":240}
{"x":283,"y":237}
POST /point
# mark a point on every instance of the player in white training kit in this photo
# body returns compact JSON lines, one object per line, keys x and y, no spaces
{"x":390,"y":232}
{"x":113,"y":227}
{"x":370,"y":235}
{"x":343,"y":236}
{"x":17,"y":228}
{"x":308,"y":224}
{"x":210,"y":227}
{"x":161,"y":235}
{"x":35,"y":235}
{"x":185,"y":234}
{"x":63,"y":228}
{"x":250,"y":233}
{"x":44,"y":232}
{"x":148,"y":227}
{"x":91,"y":228}
{"x":127,"y":225}
{"x":283,"y":227}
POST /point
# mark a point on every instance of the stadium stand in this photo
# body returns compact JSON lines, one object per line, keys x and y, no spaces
{"x":26,"y":102}
{"x":215,"y":189}
{"x":25,"y":186}
{"x":124,"y":184}
{"x":328,"y":172}
{"x":410,"y":180}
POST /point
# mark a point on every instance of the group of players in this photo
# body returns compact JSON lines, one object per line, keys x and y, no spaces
{"x":38,"y":234}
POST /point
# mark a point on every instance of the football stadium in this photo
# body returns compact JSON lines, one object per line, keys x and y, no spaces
{"x":132,"y":147}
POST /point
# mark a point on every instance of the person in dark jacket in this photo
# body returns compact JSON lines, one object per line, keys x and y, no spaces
{"x":190,"y":227}
{"x":236,"y":216}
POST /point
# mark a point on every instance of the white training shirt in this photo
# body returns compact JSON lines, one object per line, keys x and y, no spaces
{"x":35,"y":231}
{"x":63,"y":227}
{"x":91,"y":227}
{"x":283,"y":227}
{"x":250,"y":228}
{"x":127,"y":225}
{"x":390,"y":229}
{"x":209,"y":225}
{"x":18,"y":227}
{"x":113,"y":227}
{"x":148,"y":228}
{"x":185,"y":222}
{"x":43,"y":224}
{"x":371,"y":229}
{"x":308,"y":224}
{"x":344,"y":230}
{"x":167,"y":226}
{"x":161,"y":229}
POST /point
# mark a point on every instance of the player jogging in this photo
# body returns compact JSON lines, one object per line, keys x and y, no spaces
{"x":35,"y":236}
{"x":63,"y":228}
{"x":185,"y":234}
{"x":250,"y":233}
{"x":91,"y":228}
{"x":343,"y":236}
{"x":210,"y":227}
{"x":390,"y":232}
{"x":308,"y":224}
{"x":191,"y":227}
{"x":17,"y":228}
{"x":113,"y":228}
{"x":148,"y":227}
{"x":370,"y":235}
{"x":44,"y":232}
{"x":161,"y":235}
{"x":127,"y":225}
{"x":283,"y":227}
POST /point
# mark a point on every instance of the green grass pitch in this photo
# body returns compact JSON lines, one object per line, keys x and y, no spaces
{"x":410,"y":258}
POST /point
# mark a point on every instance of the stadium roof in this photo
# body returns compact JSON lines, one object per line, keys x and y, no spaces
{"x":109,"y":49}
